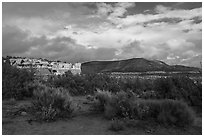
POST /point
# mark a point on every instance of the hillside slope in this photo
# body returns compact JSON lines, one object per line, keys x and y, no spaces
{"x":131,"y":65}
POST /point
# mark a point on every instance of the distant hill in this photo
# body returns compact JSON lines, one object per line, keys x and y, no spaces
{"x":132,"y":65}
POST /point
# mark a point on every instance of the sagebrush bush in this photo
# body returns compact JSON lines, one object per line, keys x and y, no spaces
{"x":51,"y":103}
{"x":102,"y":97}
{"x":176,"y":113}
{"x":135,"y":84}
{"x":85,"y":84}
{"x":113,"y":105}
{"x":179,"y":88}
{"x":124,"y":104}
{"x":168,"y":112}
{"x":164,"y":111}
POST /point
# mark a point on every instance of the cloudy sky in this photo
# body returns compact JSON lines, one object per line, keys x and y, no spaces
{"x":79,"y":32}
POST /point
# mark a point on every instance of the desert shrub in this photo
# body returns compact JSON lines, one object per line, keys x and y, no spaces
{"x":176,"y":88}
{"x":179,"y":88}
{"x":124,"y":105}
{"x":164,"y":111}
{"x":113,"y":87}
{"x":76,"y":84}
{"x":176,"y":113}
{"x":168,"y":112}
{"x":136,"y":85}
{"x":15,"y":82}
{"x":105,"y":102}
{"x":102,"y":97}
{"x":165,"y":88}
{"x":190,"y":90}
{"x":151,"y":94}
{"x":51,"y":103}
{"x":113,"y":105}
{"x":86,"y":83}
{"x":102,"y":82}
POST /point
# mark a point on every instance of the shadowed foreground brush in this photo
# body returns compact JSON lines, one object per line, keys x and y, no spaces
{"x":51,"y":103}
{"x":102,"y":97}
{"x":166,"y":111}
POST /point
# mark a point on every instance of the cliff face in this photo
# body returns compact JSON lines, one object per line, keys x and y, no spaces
{"x":131,"y":65}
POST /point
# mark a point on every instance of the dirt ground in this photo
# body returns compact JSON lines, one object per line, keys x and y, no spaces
{"x":84,"y":122}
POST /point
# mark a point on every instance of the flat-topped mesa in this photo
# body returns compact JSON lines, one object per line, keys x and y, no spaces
{"x":133,"y":65}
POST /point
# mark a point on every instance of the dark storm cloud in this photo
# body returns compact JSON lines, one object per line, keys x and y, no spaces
{"x":14,"y":40}
{"x":90,"y":5}
{"x":187,"y":5}
{"x":148,"y":7}
{"x":45,"y":9}
{"x":17,"y":42}
{"x":28,"y":9}
{"x":62,"y":13}
{"x":164,"y":20}
{"x":197,"y":20}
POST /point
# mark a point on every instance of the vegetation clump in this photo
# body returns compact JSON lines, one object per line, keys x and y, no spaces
{"x":15,"y":82}
{"x":51,"y":103}
{"x":166,"y":111}
{"x":175,"y":87}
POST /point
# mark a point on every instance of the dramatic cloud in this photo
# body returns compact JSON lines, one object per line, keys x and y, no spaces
{"x":18,"y":43}
{"x":79,"y":32}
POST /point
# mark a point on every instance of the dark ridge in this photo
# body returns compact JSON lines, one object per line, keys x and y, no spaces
{"x":132,"y":65}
